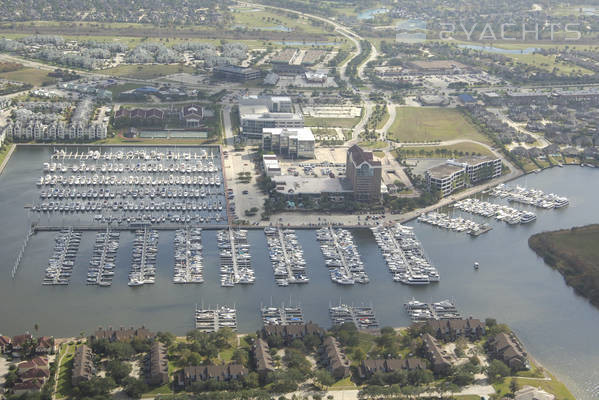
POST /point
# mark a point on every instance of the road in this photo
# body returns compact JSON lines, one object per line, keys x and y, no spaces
{"x":227,"y":125}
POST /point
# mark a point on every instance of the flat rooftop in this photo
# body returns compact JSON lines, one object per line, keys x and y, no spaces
{"x":311,"y":185}
{"x":443,"y":170}
{"x":303,"y":134}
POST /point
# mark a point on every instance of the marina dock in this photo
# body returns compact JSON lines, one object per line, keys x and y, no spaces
{"x":404,"y":255}
{"x":188,"y":267}
{"x":284,"y":315}
{"x":210,"y":320}
{"x":444,"y":221}
{"x":143,"y":265}
{"x":420,"y":312}
{"x":497,"y":211}
{"x":531,"y":197}
{"x":102,"y":263}
{"x":286,"y":256}
{"x":362,"y":316}
{"x":62,"y":261}
{"x":235,"y":258}
{"x":341,"y":255}
{"x":127,"y":187}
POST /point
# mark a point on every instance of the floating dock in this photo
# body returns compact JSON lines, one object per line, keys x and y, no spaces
{"x":212,"y":319}
{"x":286,"y":256}
{"x":444,"y":221}
{"x":235,"y":258}
{"x":62,"y":261}
{"x":143,"y":265}
{"x":341,"y":255}
{"x":188,"y":267}
{"x":531,"y":197}
{"x":284,"y":315}
{"x":497,"y":211}
{"x":102,"y":263}
{"x":404,"y":255}
{"x":362,"y":316}
{"x":420,"y":312}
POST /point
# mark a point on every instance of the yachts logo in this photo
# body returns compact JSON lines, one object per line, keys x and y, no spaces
{"x":411,"y":31}
{"x":508,"y":31}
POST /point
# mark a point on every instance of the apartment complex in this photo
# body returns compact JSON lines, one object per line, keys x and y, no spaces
{"x":259,"y":112}
{"x":456,"y":174}
{"x":364,"y":174}
{"x":83,"y":365}
{"x":289,"y":142}
{"x":57,"y":130}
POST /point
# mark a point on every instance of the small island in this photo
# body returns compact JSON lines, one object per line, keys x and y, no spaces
{"x":575,"y":254}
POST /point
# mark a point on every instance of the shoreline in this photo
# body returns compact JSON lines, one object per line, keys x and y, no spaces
{"x":7,"y":157}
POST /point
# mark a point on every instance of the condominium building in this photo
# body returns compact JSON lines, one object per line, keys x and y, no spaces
{"x":289,"y":142}
{"x":445,"y":178}
{"x":259,"y":112}
{"x":57,"y":130}
{"x":456,"y":174}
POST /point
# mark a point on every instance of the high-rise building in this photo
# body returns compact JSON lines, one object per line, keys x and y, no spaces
{"x":364,"y":173}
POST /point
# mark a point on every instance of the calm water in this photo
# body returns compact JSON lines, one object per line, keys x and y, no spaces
{"x":513,"y":285}
{"x":499,"y":50}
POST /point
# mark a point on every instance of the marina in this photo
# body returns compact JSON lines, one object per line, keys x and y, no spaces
{"x":60,"y":265}
{"x":404,"y":255}
{"x":188,"y":267}
{"x":362,"y":316}
{"x":128,"y":187}
{"x":210,"y":320}
{"x":103,"y":261}
{"x":497,"y":211}
{"x":531,"y":197}
{"x":286,"y":256}
{"x":283,"y":315}
{"x":420,"y":312}
{"x":143,"y":265}
{"x":235,"y":258}
{"x":341,"y":256}
{"x":444,"y":221}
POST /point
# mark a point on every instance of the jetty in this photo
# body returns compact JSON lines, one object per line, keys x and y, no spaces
{"x":210,"y":320}
{"x":17,"y":263}
{"x":286,"y":256}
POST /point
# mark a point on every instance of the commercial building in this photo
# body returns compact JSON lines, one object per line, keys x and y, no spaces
{"x":364,"y":174}
{"x":271,"y":165}
{"x":236,"y":73}
{"x":289,"y":142}
{"x":259,"y":112}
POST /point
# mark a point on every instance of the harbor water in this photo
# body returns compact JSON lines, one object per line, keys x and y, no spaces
{"x":558,"y":327}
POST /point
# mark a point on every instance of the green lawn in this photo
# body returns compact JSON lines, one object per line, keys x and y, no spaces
{"x":430,"y":151}
{"x":552,"y":386}
{"x":33,"y":76}
{"x":146,"y":71}
{"x":373,"y":145}
{"x":63,"y":388}
{"x":164,"y":389}
{"x":343,"y":384}
{"x":549,"y":63}
{"x":420,"y":124}
{"x":332,"y":122}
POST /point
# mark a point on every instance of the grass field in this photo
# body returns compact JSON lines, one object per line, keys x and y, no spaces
{"x":419,"y":124}
{"x":269,"y":19}
{"x":63,"y":388}
{"x":146,"y":71}
{"x":552,"y":386}
{"x":33,"y":76}
{"x":425,"y":151}
{"x":549,"y":63}
{"x":332,"y":122}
